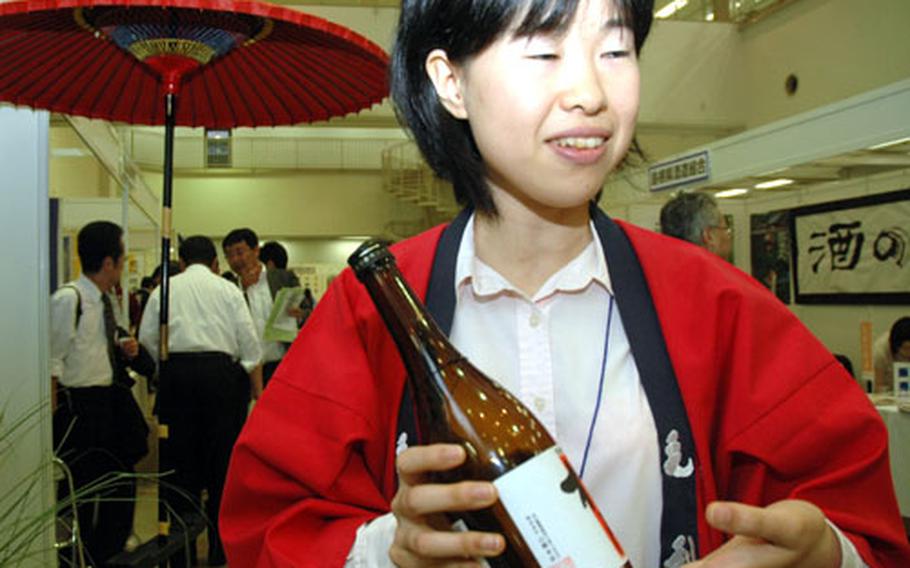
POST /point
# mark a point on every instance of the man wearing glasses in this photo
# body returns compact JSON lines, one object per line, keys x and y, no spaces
{"x":695,"y":217}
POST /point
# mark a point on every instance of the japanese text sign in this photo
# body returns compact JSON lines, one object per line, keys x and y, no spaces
{"x":854,"y":251}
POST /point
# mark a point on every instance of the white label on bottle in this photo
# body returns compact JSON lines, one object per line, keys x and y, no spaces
{"x":561,"y":526}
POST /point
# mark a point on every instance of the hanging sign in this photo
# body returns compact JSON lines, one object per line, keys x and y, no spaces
{"x":679,"y":171}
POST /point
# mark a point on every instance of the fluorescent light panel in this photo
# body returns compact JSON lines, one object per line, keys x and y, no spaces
{"x":671,"y":8}
{"x":889,"y":144}
{"x":781,"y":182}
{"x":731,"y":192}
{"x":219,"y":134}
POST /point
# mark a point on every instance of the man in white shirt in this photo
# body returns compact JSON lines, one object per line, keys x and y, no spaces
{"x":207,"y":376}
{"x":241,"y":249}
{"x":84,"y":359}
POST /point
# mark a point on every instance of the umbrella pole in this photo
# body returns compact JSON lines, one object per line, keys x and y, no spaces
{"x":170,"y":103}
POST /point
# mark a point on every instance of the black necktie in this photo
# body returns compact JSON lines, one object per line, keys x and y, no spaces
{"x":109,"y":326}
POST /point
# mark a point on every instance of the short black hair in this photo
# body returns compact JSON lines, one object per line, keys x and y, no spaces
{"x":845,"y":361}
{"x":147,"y":282}
{"x":97,"y":241}
{"x":197,"y":250}
{"x":273,"y":251}
{"x":244,"y":234}
{"x":687,"y":214}
{"x":900,"y":333}
{"x":172,"y":268}
{"x":464,"y":28}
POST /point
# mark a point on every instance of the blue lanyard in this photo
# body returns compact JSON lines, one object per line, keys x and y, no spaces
{"x":600,"y":390}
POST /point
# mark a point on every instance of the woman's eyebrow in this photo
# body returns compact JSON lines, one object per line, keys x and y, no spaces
{"x":614,"y":23}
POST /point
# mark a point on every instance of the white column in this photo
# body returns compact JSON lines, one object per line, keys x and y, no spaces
{"x":24,"y":293}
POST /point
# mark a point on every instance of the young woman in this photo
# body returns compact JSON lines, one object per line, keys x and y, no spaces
{"x":705,"y":420}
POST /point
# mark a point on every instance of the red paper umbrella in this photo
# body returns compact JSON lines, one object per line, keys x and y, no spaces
{"x":232,"y":63}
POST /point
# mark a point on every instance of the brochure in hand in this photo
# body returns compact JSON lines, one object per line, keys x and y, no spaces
{"x":281,"y":326}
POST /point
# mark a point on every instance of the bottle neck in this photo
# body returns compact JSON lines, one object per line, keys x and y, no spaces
{"x":424,"y":348}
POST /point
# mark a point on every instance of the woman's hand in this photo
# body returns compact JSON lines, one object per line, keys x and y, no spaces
{"x":424,"y":536}
{"x":786,"y":533}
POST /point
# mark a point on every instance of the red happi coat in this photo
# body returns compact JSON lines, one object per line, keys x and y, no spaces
{"x":772,"y":414}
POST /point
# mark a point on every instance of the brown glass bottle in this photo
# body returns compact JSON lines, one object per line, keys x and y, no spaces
{"x":456,"y":403}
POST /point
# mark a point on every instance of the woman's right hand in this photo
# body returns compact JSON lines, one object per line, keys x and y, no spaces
{"x":424,"y":536}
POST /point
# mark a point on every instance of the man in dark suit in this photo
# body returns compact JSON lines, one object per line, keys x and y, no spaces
{"x":275,"y":258}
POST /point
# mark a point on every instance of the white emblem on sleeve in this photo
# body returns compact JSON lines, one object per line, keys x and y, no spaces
{"x":673,"y":464}
{"x":402,"y":443}
{"x":683,"y":552}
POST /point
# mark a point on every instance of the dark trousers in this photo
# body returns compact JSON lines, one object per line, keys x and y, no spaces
{"x":268,"y":369}
{"x":203,"y":400}
{"x":85,"y":438}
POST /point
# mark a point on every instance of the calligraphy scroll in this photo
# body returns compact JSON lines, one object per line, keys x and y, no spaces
{"x":853,"y":251}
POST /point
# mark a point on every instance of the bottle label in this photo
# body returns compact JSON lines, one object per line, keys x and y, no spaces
{"x":556,"y":516}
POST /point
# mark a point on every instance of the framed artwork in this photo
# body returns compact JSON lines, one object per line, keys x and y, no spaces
{"x":853,"y":251}
{"x":769,"y":243}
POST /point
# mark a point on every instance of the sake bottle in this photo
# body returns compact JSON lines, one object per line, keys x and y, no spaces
{"x":544,"y":512}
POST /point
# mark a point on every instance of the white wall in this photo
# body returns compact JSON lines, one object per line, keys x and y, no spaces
{"x":837,"y":48}
{"x":74,"y":171}
{"x":288,"y":204}
{"x":692,"y":75}
{"x":24,"y":292}
{"x":375,"y":23}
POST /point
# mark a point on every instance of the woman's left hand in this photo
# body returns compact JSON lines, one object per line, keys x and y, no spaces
{"x":786,"y":533}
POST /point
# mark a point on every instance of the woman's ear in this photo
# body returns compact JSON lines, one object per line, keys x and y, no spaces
{"x":448,"y":83}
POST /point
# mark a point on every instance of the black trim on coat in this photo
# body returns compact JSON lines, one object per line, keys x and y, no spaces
{"x":649,"y":350}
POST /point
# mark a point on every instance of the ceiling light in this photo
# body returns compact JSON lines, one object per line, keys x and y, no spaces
{"x":773,"y":183}
{"x":217,"y":133}
{"x":731,"y":192}
{"x":671,"y":8}
{"x":889,"y":144}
